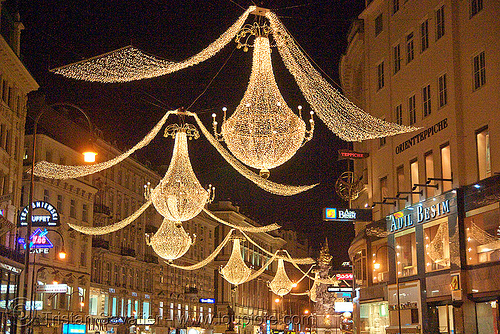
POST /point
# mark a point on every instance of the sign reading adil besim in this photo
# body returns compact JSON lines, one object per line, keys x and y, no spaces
{"x":347,"y":215}
{"x":49,"y":218}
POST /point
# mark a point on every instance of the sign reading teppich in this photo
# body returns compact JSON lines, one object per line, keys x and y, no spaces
{"x":349,"y":154}
{"x":342,"y":214}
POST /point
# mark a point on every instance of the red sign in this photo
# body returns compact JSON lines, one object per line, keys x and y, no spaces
{"x":348,"y":154}
{"x":348,"y":276}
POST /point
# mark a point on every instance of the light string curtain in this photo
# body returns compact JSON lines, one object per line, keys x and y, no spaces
{"x":341,"y":116}
{"x":55,"y":171}
{"x":269,"y":186}
{"x":208,"y":259}
{"x":101,"y":230}
{"x":129,"y":63}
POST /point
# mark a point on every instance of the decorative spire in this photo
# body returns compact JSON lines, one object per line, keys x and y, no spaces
{"x":324,"y":254}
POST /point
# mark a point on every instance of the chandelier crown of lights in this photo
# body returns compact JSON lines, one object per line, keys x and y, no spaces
{"x":242,"y":38}
{"x":171,"y":241}
{"x":180,"y":196}
{"x":235,"y":271}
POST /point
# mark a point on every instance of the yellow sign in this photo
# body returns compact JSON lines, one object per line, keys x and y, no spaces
{"x":455,"y":282}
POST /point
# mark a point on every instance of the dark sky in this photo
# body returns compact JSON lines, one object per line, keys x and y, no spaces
{"x":60,"y":32}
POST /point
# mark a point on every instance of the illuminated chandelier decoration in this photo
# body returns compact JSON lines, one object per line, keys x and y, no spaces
{"x":281,"y":284}
{"x":171,"y":241}
{"x":263,"y":132}
{"x":235,"y":271}
{"x":180,"y":196}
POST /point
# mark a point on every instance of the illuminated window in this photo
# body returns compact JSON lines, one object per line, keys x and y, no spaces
{"x":397,"y":58}
{"x":429,"y":172}
{"x":406,"y":253}
{"x":424,"y":35}
{"x":440,"y":23}
{"x":481,"y":233}
{"x":479,"y":70}
{"x":446,"y":166}
{"x":379,"y":25}
{"x":380,"y":264}
{"x":442,"y":91}
{"x":412,"y":110}
{"x":415,"y":198}
{"x":437,"y":245}
{"x":410,"y":52}
{"x":426,"y":100}
{"x":483,"y":153}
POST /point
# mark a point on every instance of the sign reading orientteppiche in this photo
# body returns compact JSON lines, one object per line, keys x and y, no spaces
{"x":50,"y":218}
{"x":347,"y":215}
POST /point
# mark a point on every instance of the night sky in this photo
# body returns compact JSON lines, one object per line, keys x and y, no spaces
{"x":60,"y":32}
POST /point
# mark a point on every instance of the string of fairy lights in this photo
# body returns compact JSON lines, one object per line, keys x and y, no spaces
{"x":129,"y":63}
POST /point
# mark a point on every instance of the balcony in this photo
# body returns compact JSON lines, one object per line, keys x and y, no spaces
{"x":150,"y":258}
{"x":11,"y":254}
{"x":102,"y":209}
{"x":125,"y":251}
{"x":100,"y":243}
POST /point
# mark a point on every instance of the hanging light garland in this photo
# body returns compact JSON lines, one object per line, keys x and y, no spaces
{"x":171,"y":241}
{"x":235,"y":271}
{"x":129,"y":63}
{"x":263,"y":132}
{"x":341,"y":116}
{"x":180,"y":196}
{"x":281,"y":284}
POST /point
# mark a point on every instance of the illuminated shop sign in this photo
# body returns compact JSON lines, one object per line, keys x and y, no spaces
{"x":348,"y":154}
{"x":347,"y":276}
{"x":39,"y":243}
{"x":74,"y":329}
{"x":423,"y":212}
{"x":422,"y":135}
{"x":207,"y":300}
{"x":340,"y":214}
{"x":51,"y":218}
{"x":338,"y":289}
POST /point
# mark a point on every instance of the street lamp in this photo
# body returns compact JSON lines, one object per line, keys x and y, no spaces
{"x":30,"y":200}
{"x":376,"y":266}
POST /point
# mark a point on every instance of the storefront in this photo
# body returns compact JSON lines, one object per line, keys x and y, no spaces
{"x":9,"y":274}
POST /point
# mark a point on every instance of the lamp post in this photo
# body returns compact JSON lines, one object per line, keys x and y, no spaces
{"x":30,"y":203}
{"x":376,"y":266}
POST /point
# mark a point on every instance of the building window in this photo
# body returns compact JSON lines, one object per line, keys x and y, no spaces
{"x":72,"y":209}
{"x":397,"y":58}
{"x":429,"y":172}
{"x":415,"y":198}
{"x":440,"y":23}
{"x":426,"y":100}
{"x":443,"y":95}
{"x":410,"y":52}
{"x":424,"y":31}
{"x":85,"y":213}
{"x":382,"y":141}
{"x":479,"y":70}
{"x":395,"y":6}
{"x":412,"y":110}
{"x":359,"y":267}
{"x":384,"y":193}
{"x":380,"y":75}
{"x":46,"y":197}
{"x":59,"y":204}
{"x":475,"y":7}
{"x":483,"y":154}
{"x":437,"y":246}
{"x":406,"y":254}
{"x":380,"y":263}
{"x":481,"y":228}
{"x":399,"y":114}
{"x":379,"y":25}
{"x":446,"y":166}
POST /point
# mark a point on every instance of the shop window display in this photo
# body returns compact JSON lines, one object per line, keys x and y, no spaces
{"x":406,"y":253}
{"x":437,"y":246}
{"x":380,"y":264}
{"x":374,"y":317}
{"x":482,"y":232}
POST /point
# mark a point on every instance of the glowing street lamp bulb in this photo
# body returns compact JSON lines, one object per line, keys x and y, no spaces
{"x":376,"y":266}
{"x":55,"y":282}
{"x":277,"y":300}
{"x":89,"y":156}
{"x":62,"y":255}
{"x":306,"y":311}
{"x":82,"y":304}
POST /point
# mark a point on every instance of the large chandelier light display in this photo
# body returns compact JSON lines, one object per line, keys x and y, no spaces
{"x":263,"y":132}
{"x":180,"y":196}
{"x":171,"y":241}
{"x":281,"y":284}
{"x":236,"y":271}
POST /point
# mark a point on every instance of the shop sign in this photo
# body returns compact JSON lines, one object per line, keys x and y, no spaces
{"x":52,"y":288}
{"x":49,"y":219}
{"x":74,"y":329}
{"x":207,"y":300}
{"x":39,"y":243}
{"x":349,"y":154}
{"x":347,"y":276}
{"x":455,"y":282}
{"x":37,"y":305}
{"x":337,"y":289}
{"x":430,"y":131}
{"x":423,"y":212}
{"x":351,"y":215}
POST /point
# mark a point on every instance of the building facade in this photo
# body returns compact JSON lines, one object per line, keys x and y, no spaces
{"x":433,"y":65}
